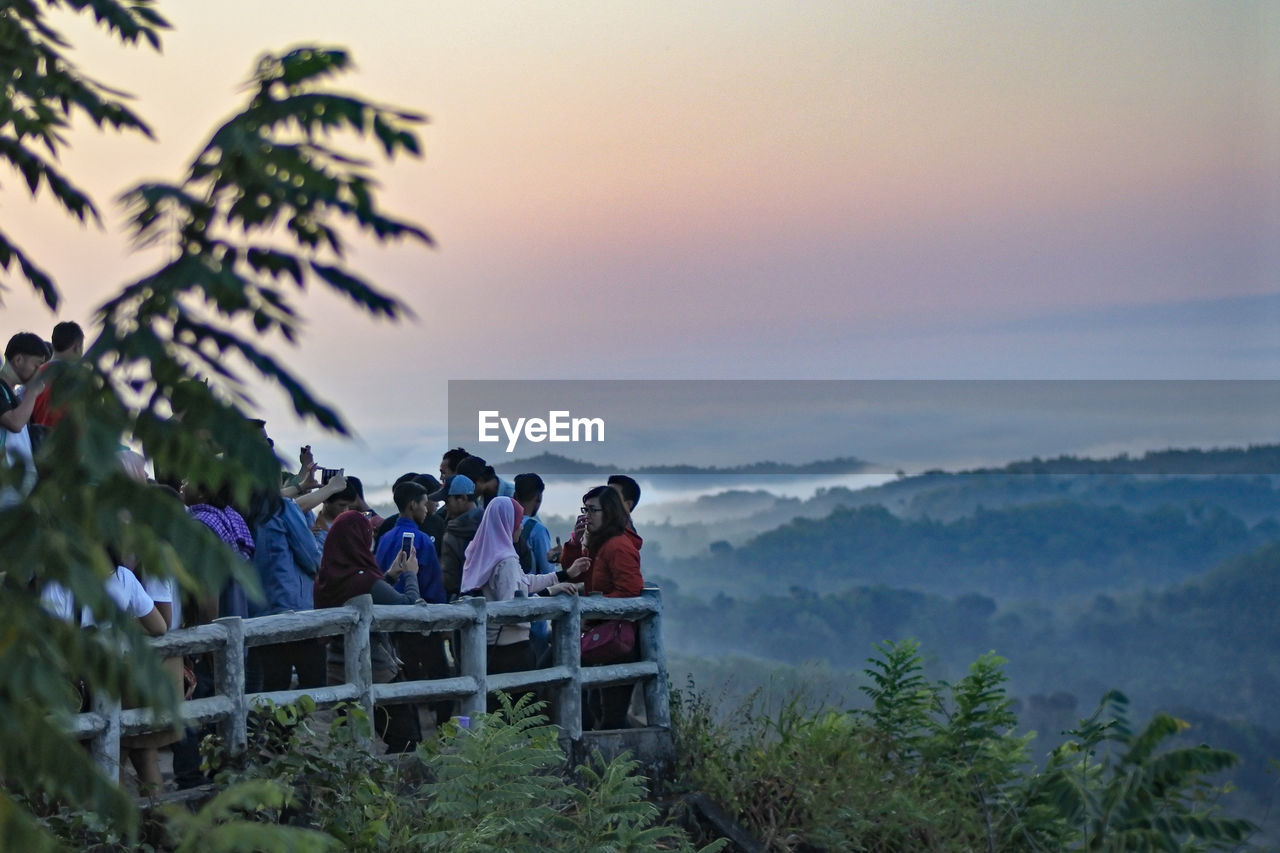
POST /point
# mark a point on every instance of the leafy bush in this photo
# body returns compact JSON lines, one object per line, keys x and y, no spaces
{"x":934,"y":766}
{"x":503,"y":784}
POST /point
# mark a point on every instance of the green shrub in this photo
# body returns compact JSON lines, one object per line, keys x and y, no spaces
{"x":503,"y":784}
{"x":939,"y":767}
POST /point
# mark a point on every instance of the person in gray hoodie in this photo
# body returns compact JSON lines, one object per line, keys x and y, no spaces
{"x":458,"y":496}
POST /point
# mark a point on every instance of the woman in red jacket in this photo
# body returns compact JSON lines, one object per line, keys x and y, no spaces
{"x":607,"y":557}
{"x":608,"y":562}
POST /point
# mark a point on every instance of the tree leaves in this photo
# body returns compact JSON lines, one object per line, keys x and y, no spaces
{"x":43,"y":91}
{"x":266,"y":203}
{"x":1126,"y":791}
{"x":38,"y":278}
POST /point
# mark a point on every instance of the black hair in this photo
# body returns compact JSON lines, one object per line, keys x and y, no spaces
{"x":630,"y":488}
{"x":25,"y":343}
{"x":528,"y":487}
{"x":221,"y":498}
{"x":350,"y":493}
{"x":404,"y":478}
{"x":473,"y":468}
{"x":354,"y":485}
{"x":65,"y":336}
{"x":166,"y":489}
{"x":428,"y":482}
{"x":454,"y":456}
{"x":407,"y":493}
{"x":264,"y":504}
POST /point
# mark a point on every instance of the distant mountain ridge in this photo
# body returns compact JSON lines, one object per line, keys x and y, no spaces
{"x":1261,"y":459}
{"x":551,"y":463}
{"x":1254,"y":459}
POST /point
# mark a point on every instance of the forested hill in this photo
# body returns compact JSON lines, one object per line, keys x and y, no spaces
{"x":1257,"y":459}
{"x":1243,"y":481}
{"x":1039,"y":551}
{"x":1203,"y":650}
{"x":552,"y":463}
{"x":690,"y":527}
{"x":1208,"y":643}
{"x":1086,"y":575}
{"x":941,"y":495}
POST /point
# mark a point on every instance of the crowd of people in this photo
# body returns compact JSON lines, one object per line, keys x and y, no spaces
{"x":315,"y":542}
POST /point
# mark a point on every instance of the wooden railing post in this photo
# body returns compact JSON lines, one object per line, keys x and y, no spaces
{"x":357,"y":652}
{"x":653,"y":647}
{"x":106,"y":746}
{"x":475,"y":656}
{"x":566,"y":641}
{"x":228,"y":680}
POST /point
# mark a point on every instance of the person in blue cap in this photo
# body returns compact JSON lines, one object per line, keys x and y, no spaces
{"x":463,"y":519}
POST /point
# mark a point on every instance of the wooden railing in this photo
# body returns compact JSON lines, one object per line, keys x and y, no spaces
{"x":228,"y":639}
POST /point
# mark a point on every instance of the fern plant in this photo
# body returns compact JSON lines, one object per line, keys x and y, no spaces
{"x":973,"y":751}
{"x":902,"y":701}
{"x":607,"y":812}
{"x":494,"y":785}
{"x":502,"y":786}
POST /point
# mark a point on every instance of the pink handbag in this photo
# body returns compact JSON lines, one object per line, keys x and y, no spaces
{"x":608,"y":642}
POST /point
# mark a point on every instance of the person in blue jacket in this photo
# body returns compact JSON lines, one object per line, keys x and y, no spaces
{"x":287,"y":558}
{"x":411,"y":500}
{"x":423,"y":655}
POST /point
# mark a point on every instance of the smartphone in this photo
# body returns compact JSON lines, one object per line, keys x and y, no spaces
{"x":327,"y":474}
{"x":406,"y":543}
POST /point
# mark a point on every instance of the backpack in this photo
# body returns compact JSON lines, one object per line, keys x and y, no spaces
{"x":523,"y":551}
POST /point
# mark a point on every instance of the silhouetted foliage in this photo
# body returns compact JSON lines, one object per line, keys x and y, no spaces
{"x":261,"y":214}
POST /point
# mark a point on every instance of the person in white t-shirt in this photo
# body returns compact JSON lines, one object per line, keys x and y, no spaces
{"x":124,"y":589}
{"x":128,"y":594}
{"x":144,"y":749}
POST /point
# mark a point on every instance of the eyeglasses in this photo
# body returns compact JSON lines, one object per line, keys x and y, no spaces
{"x":591,"y":509}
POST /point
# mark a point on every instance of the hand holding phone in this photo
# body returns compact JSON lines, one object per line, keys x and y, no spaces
{"x":406,"y":561}
{"x":579,"y":528}
{"x":406,"y":543}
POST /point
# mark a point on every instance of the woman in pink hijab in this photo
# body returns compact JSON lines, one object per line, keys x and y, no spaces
{"x":492,"y":569}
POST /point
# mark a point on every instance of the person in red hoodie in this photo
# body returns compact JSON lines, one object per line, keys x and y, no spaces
{"x":605,"y":554}
{"x":68,"y":345}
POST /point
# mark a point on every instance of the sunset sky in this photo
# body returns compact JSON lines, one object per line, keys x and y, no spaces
{"x":781,"y":190}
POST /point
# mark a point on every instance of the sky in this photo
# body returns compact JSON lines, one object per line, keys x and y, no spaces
{"x":780,"y":190}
